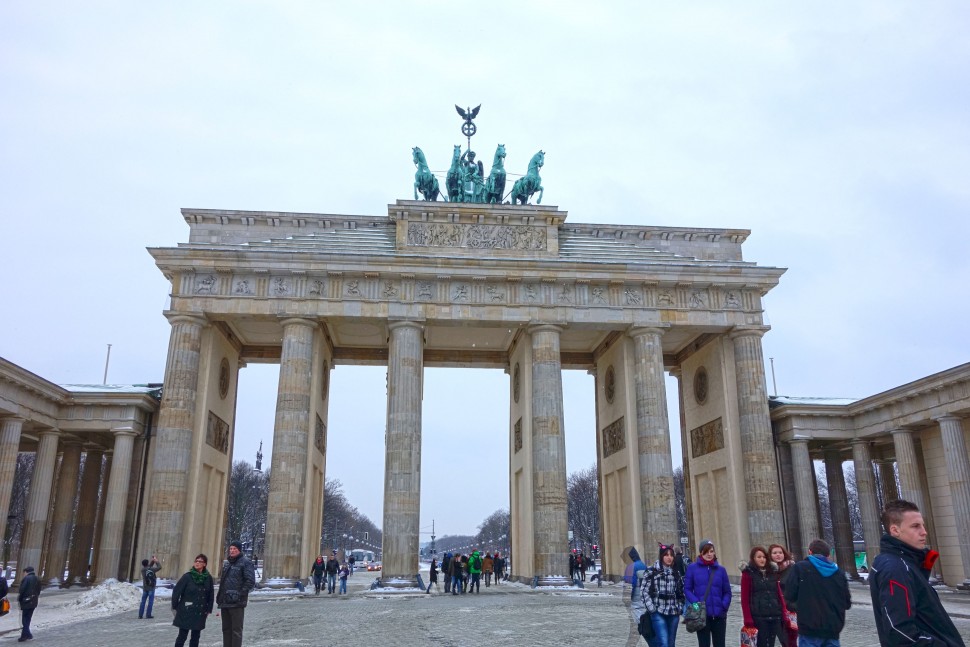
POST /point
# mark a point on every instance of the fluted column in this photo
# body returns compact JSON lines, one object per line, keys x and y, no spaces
{"x":116,"y":497}
{"x":839,"y":505}
{"x":550,"y":522}
{"x":887,"y":481}
{"x":958,"y":473}
{"x":63,"y":520}
{"x":653,"y":439}
{"x":868,"y":503}
{"x":165,"y":510}
{"x":402,"y":463}
{"x":766,"y":524}
{"x":99,"y":520}
{"x":10,"y":429}
{"x":38,"y":503}
{"x":908,"y":465}
{"x":87,"y":511}
{"x":805,"y":493}
{"x":287,"y":479}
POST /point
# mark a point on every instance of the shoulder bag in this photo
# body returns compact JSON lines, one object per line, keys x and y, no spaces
{"x":4,"y":607}
{"x":695,"y":617}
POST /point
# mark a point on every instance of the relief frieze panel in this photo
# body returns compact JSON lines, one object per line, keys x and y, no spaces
{"x":517,"y":435}
{"x":217,"y":433}
{"x":476,"y":236}
{"x":614,"y":437}
{"x":320,"y":436}
{"x":707,"y":438}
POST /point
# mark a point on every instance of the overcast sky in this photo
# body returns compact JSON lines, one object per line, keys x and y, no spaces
{"x":836,"y":132}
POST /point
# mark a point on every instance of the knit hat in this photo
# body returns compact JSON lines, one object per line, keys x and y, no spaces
{"x":29,"y":569}
{"x":237,"y":544}
{"x":704,"y":544}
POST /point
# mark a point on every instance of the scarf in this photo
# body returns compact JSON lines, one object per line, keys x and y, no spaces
{"x":197,"y":577}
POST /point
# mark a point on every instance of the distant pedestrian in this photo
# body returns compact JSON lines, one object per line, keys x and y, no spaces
{"x":446,"y":571}
{"x":149,"y":579}
{"x":456,"y":575}
{"x":908,"y":610}
{"x":475,"y":572}
{"x":192,"y":601}
{"x":317,"y":570}
{"x":433,"y":576}
{"x":498,"y":566}
{"x":816,"y":589}
{"x":717,"y":597}
{"x":581,"y":565}
{"x":632,"y":572}
{"x":572,"y":565}
{"x":238,"y":579}
{"x":761,"y":600}
{"x":351,"y":561}
{"x":27,"y":597}
{"x":333,"y":567}
{"x":344,"y":574}
{"x":488,"y":565}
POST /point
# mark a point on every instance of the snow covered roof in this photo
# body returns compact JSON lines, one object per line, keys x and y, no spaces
{"x":779,"y":400}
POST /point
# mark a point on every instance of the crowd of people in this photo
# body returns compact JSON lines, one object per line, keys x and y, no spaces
{"x":464,"y":573}
{"x":327,"y":572}
{"x":795,"y":604}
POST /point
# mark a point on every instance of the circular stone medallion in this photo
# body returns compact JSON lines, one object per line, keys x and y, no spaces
{"x":224,"y":378}
{"x":610,"y":385}
{"x":700,"y":385}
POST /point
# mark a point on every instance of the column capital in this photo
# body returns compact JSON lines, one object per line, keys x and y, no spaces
{"x":677,"y":371}
{"x":186,"y":317}
{"x":545,"y":327}
{"x":799,"y":440}
{"x":637,"y":331}
{"x":860,"y":441}
{"x":748,"y":331}
{"x":901,"y":431}
{"x":405,"y":323}
{"x":13,"y":418}
{"x":298,"y":321}
{"x":48,"y":432}
{"x":124,"y":431}
{"x":946,"y":417}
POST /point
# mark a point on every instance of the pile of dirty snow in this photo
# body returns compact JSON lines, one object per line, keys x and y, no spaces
{"x":110,"y":596}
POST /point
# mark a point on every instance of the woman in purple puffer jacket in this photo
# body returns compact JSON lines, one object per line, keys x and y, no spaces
{"x":718,"y":599}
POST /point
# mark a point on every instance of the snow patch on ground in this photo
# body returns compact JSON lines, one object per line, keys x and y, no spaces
{"x":110,"y":596}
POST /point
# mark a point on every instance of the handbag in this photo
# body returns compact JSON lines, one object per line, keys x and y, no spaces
{"x":791,"y":620}
{"x":695,"y":617}
{"x":749,"y":637}
{"x":645,"y":627}
{"x":4,"y":607}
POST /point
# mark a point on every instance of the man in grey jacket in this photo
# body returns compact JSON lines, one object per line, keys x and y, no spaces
{"x":238,"y":579}
{"x":29,"y":592}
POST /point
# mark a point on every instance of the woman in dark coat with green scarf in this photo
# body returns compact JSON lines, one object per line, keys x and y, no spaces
{"x":192,"y":602}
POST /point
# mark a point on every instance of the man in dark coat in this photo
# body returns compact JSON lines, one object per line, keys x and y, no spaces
{"x":907,"y":609}
{"x":333,"y":567}
{"x":29,"y":592}
{"x":238,"y":579}
{"x":816,"y":589}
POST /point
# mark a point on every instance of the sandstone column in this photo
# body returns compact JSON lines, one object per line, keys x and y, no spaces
{"x":10,"y":429}
{"x":765,"y":520}
{"x":99,"y":519}
{"x":958,"y":471}
{"x":63,"y":520}
{"x":550,"y":523}
{"x":38,"y":503}
{"x":887,"y":481}
{"x":909,"y":481}
{"x":116,"y":497}
{"x":653,"y":439}
{"x":402,"y":463}
{"x":868,"y":504}
{"x":839,"y":505}
{"x":87,"y":510}
{"x":287,"y":481}
{"x":165,"y":510}
{"x":805,"y":493}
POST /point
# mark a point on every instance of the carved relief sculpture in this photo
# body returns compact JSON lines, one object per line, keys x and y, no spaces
{"x":224,"y":378}
{"x":614,"y":437}
{"x":217,"y":433}
{"x":517,"y":440}
{"x":707,"y":438}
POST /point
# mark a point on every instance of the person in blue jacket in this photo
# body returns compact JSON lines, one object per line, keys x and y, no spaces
{"x":718,"y":599}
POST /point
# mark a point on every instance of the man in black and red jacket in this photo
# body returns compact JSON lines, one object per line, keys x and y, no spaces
{"x":907,"y":609}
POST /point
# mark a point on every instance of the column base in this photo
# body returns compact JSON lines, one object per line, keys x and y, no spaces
{"x":280,"y":582}
{"x":398,"y":582}
{"x":964,"y":585}
{"x":552,"y":580}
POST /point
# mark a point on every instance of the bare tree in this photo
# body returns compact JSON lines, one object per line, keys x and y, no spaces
{"x":680,"y":501}
{"x":456,"y":543}
{"x":493,"y":533}
{"x":582,"y":497}
{"x":18,"y":504}
{"x":246,"y":509}
{"x":341,"y":521}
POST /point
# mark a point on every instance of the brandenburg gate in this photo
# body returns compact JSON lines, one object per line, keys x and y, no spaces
{"x":515,"y":287}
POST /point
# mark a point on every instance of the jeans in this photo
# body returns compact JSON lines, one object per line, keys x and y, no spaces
{"x":183,"y":634}
{"x":232,"y":626}
{"x":317,"y":582}
{"x":715,"y":629}
{"x":331,"y":582}
{"x":475,"y":584}
{"x":456,"y":584}
{"x":25,"y":616}
{"x":768,"y":630}
{"x":809,"y":641}
{"x":146,"y":594}
{"x":664,"y":630}
{"x":343,"y":585}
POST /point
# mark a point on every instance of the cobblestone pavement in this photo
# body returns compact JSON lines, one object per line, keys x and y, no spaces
{"x":504,"y":615}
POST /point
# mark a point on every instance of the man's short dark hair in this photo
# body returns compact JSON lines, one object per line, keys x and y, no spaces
{"x":892,"y":514}
{"x":144,"y":562}
{"x":819,"y":547}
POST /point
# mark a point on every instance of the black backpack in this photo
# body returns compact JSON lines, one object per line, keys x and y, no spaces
{"x":149,"y":578}
{"x":477,"y":563}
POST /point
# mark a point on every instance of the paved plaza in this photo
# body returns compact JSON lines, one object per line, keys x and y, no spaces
{"x":504,"y":615}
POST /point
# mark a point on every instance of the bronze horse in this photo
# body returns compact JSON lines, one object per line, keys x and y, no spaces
{"x":424,"y":179}
{"x":529,"y":183}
